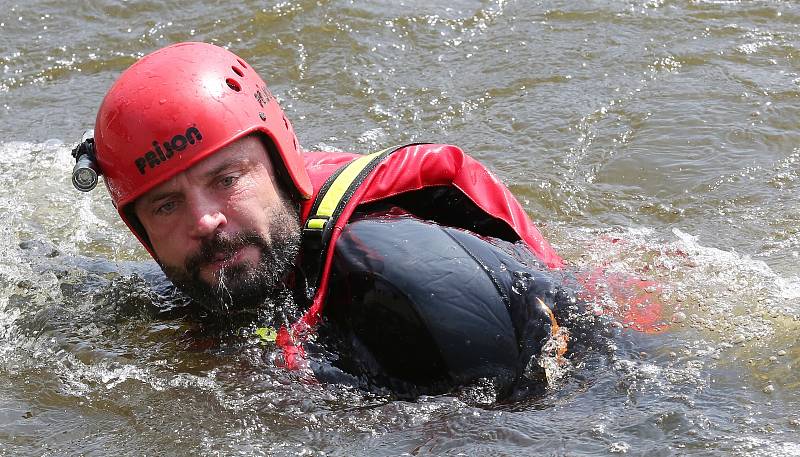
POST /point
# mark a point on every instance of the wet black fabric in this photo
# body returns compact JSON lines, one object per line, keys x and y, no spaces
{"x":419,"y":308}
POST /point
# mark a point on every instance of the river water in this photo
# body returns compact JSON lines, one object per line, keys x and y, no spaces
{"x":656,"y":139}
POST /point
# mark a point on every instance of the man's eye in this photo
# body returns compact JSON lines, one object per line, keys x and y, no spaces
{"x":166,"y":208}
{"x":228,"y":181}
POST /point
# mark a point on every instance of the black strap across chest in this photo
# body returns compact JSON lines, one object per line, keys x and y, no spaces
{"x":326,"y":210}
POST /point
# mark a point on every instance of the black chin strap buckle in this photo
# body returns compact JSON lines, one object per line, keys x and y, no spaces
{"x":85,"y":173}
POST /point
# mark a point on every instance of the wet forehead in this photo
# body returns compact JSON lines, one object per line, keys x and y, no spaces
{"x":247,"y":151}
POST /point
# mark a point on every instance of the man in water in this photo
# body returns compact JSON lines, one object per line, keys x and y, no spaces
{"x":418,"y":265}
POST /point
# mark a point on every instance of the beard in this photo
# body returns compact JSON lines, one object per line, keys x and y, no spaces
{"x":243,"y":287}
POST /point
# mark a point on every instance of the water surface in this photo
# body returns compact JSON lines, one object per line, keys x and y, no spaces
{"x":653,"y":138}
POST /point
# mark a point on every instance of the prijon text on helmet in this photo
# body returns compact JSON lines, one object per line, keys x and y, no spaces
{"x":157,"y":155}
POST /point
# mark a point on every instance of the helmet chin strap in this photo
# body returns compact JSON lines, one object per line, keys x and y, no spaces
{"x":85,"y":173}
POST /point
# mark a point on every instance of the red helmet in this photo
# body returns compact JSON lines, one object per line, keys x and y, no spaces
{"x":176,"y":106}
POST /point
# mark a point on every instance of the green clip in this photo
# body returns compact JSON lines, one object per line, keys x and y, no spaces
{"x":267,"y":334}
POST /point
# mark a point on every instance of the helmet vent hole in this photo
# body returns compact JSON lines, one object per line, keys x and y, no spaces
{"x":234,"y":84}
{"x":241,"y":62}
{"x":238,"y":71}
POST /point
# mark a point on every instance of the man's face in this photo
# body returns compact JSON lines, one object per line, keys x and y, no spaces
{"x":222,"y":230}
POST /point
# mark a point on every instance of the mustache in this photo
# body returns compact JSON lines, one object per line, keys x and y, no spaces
{"x":222,"y":246}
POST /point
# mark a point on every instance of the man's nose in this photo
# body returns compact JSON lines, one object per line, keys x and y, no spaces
{"x":207,"y":218}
